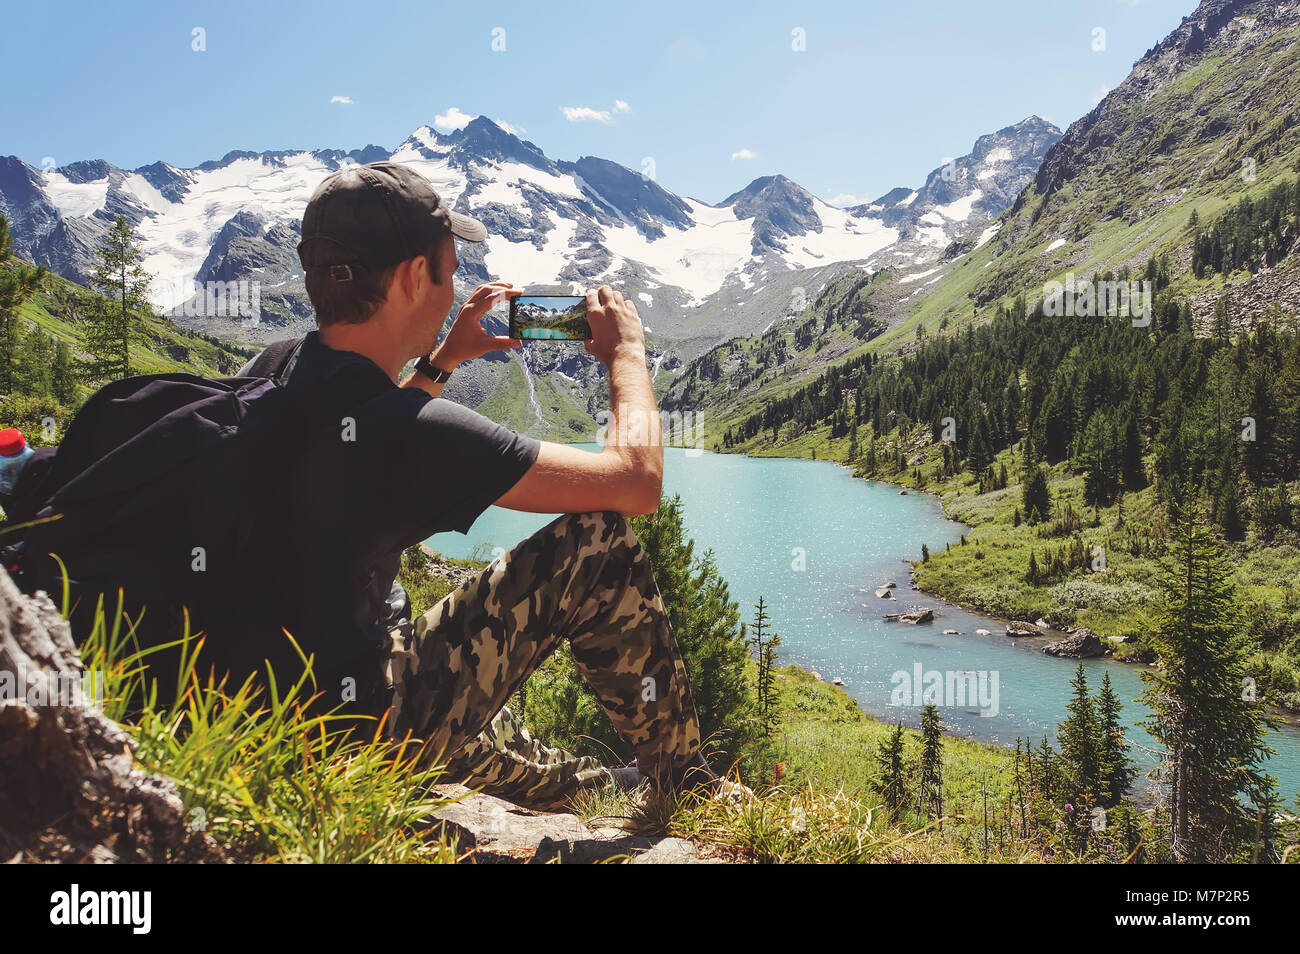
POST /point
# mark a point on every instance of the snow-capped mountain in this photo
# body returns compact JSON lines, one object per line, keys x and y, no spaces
{"x":962,"y":194}
{"x":550,"y":222}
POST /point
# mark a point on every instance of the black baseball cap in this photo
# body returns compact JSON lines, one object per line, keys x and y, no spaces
{"x":374,"y":216}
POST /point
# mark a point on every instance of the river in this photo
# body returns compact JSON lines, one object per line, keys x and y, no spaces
{"x":816,"y":542}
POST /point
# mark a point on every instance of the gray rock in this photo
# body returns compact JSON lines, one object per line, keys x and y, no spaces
{"x":1018,"y":627}
{"x":1082,"y":644}
{"x":486,"y":829}
{"x":72,"y":791}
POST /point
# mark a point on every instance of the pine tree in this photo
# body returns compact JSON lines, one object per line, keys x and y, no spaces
{"x":17,"y":284}
{"x":765,"y":655}
{"x":35,"y":363}
{"x":891,"y":782}
{"x":929,"y":789}
{"x":116,"y":273}
{"x":1035,"y":496}
{"x":1131,"y":471}
{"x":1081,"y":742}
{"x":1210,"y":730}
{"x":63,"y":381}
{"x":1116,"y":771}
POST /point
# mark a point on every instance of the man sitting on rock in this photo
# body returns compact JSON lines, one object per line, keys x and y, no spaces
{"x":396,"y":463}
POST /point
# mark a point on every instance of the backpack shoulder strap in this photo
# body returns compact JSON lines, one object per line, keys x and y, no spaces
{"x":276,"y":361}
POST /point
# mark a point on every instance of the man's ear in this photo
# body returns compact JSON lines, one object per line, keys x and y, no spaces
{"x":408,"y":277}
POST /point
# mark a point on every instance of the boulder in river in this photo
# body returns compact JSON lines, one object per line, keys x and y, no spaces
{"x":1018,"y":627}
{"x":837,"y":681}
{"x":885,"y":593}
{"x":1082,"y":644}
{"x":983,"y":632}
{"x":951,"y":632}
{"x":922,"y":615}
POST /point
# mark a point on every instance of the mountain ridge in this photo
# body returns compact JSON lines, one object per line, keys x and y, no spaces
{"x":699,"y":273}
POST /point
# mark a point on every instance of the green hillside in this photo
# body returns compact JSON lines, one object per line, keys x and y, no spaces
{"x":1188,"y":177}
{"x":57,"y":314}
{"x":1188,"y":133}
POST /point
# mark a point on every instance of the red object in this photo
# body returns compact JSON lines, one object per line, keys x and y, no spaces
{"x":12,"y":442}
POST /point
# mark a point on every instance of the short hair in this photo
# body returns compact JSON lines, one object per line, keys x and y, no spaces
{"x":354,"y":302}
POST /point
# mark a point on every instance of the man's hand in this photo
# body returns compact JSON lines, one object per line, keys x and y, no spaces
{"x":615,"y":325}
{"x":466,"y":339}
{"x":627,"y":475}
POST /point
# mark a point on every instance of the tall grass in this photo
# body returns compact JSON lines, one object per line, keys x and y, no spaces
{"x":258,"y":773}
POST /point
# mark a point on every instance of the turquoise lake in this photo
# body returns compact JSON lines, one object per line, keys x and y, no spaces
{"x":816,"y":543}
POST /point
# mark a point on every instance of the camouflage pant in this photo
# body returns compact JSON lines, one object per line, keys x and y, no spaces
{"x":585,"y":578}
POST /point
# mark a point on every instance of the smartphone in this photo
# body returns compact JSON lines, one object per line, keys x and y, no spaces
{"x":561,"y":317}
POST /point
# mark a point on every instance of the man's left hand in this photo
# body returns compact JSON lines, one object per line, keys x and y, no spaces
{"x":467,"y":339}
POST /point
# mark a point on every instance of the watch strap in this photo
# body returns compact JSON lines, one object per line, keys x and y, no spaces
{"x":425,"y":366}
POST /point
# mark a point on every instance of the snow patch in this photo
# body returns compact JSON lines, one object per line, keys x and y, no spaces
{"x":988,"y":233}
{"x":918,"y":276}
{"x":961,"y":209}
{"x":76,"y":199}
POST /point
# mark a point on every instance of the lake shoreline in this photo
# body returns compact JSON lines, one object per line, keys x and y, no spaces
{"x":1289,"y":719}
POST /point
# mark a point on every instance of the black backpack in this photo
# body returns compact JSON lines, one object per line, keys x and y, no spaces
{"x":169,"y":486}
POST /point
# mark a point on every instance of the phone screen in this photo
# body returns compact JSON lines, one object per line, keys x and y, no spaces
{"x":562,"y":317}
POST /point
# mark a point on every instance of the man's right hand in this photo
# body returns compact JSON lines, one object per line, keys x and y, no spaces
{"x":614,"y":325}
{"x":627,"y":475}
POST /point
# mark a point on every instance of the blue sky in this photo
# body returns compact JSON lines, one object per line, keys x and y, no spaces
{"x":714,"y":93}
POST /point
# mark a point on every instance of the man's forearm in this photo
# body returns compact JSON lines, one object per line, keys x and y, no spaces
{"x":632,"y":429}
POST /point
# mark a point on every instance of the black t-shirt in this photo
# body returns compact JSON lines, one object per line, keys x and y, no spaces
{"x":384,"y":468}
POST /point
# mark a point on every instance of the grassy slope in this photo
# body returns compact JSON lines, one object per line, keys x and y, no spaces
{"x":564,"y":416}
{"x":165,"y":346}
{"x":1133,"y":200}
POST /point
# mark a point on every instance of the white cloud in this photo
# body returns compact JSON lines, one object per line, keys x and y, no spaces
{"x":1101,"y":94}
{"x":582,"y":114}
{"x":453,"y":118}
{"x":744,"y":154}
{"x":345,"y":100}
{"x":621,"y":106}
{"x":513,"y":130}
{"x":844,"y":200}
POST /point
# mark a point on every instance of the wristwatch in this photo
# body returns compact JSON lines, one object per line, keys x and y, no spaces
{"x":425,"y":366}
